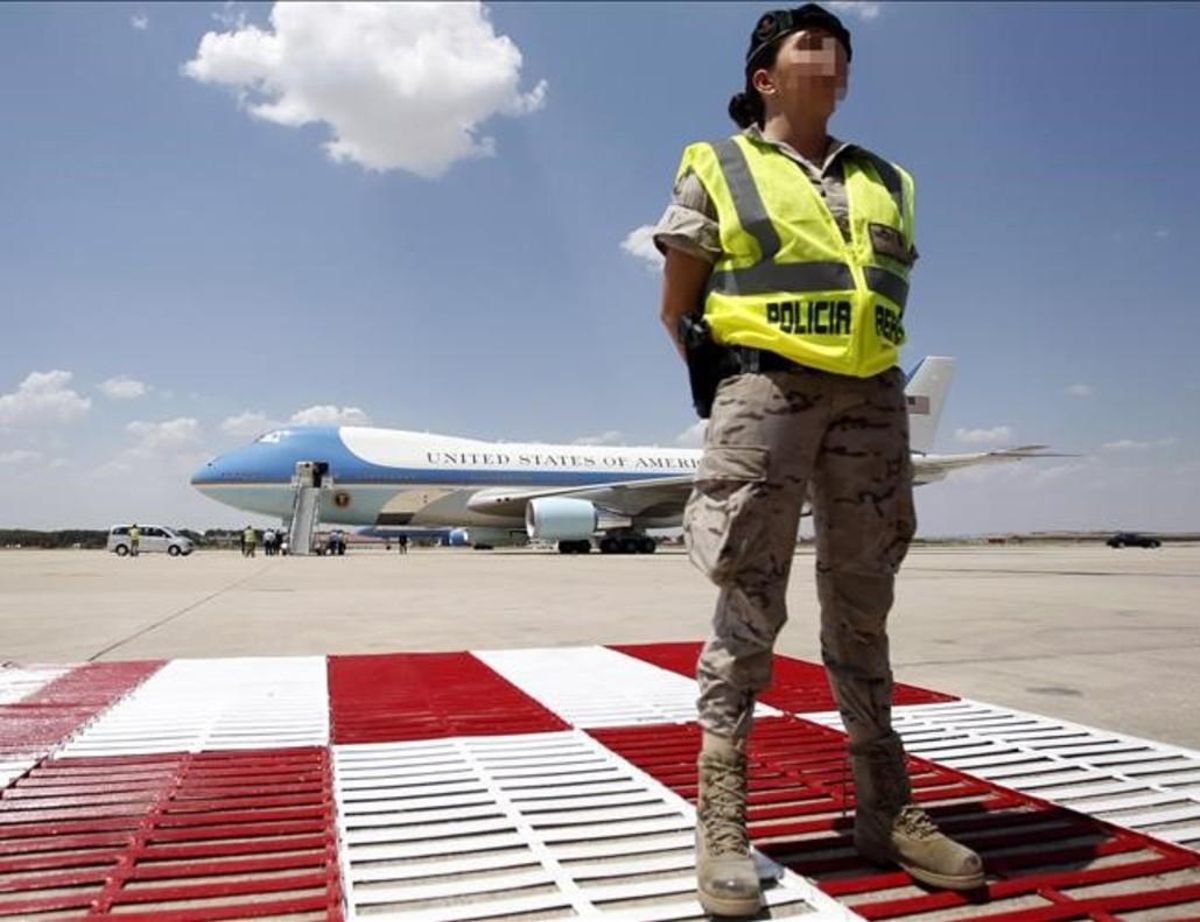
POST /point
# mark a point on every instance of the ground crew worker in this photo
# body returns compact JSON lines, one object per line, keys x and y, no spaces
{"x":135,"y":540}
{"x":798,"y":247}
{"x":249,"y":540}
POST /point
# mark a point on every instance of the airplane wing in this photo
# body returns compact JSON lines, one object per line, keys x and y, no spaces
{"x":653,"y":496}
{"x":663,"y":496}
{"x":935,"y":467}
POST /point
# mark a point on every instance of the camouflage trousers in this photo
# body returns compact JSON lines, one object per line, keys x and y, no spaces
{"x":774,"y":441}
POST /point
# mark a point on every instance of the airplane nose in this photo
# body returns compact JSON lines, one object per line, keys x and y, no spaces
{"x":210,"y":473}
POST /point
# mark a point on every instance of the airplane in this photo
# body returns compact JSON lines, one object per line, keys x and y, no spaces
{"x":503,"y":493}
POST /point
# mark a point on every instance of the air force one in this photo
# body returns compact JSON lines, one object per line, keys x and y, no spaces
{"x":494,"y":493}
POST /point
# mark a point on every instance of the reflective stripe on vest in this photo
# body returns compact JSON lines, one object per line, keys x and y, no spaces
{"x":752,"y":213}
{"x":788,"y":280}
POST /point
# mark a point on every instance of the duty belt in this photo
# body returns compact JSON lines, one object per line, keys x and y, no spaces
{"x":753,"y":361}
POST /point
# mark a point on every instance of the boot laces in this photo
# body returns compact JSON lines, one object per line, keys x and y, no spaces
{"x":914,"y":822}
{"x":723,"y":812}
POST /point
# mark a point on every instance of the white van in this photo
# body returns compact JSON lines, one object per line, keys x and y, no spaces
{"x":155,"y":538}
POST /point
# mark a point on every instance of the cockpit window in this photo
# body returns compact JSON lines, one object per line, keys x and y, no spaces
{"x":274,"y":435}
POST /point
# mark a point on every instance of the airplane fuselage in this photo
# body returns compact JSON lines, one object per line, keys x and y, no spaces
{"x":393,"y":477}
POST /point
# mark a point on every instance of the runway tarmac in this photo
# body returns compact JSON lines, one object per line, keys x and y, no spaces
{"x":1084,"y":633}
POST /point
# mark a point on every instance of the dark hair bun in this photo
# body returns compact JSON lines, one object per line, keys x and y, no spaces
{"x":746,"y":109}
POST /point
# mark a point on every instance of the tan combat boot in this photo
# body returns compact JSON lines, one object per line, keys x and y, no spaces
{"x":726,"y":879}
{"x":890,"y":829}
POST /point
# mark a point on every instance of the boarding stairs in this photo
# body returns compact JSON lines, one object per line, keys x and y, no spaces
{"x":307,"y":484}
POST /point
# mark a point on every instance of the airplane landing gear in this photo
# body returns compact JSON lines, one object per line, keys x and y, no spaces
{"x":575,"y":547}
{"x":628,"y":544}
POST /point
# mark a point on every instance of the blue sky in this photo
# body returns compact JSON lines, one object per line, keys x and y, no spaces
{"x":219,"y":216}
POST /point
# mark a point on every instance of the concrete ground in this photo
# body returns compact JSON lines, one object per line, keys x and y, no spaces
{"x":1107,"y":638}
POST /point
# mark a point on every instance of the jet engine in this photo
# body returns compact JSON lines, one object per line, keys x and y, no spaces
{"x":560,"y":518}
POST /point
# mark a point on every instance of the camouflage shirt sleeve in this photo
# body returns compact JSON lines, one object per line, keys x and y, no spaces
{"x":690,"y":222}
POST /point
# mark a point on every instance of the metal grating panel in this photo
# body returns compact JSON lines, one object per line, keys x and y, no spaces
{"x":178,"y":838}
{"x":17,"y":682}
{"x":797,"y":686}
{"x":216,"y":704}
{"x":33,"y":725}
{"x":599,"y":687}
{"x":407,"y":696}
{"x":1043,"y":862}
{"x":1150,"y":787}
{"x":548,"y":825}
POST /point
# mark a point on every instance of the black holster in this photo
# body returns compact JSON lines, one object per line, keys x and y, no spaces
{"x":707,"y":361}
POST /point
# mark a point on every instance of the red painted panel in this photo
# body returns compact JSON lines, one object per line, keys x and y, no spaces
{"x":177,"y":838}
{"x":33,"y":726}
{"x":407,"y":696}
{"x":801,"y":805}
{"x":48,"y":716}
{"x":797,"y":686}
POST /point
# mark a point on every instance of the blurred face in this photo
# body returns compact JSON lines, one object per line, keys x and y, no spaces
{"x":808,"y":76}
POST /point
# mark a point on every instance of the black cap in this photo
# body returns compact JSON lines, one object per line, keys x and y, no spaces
{"x":776,"y":24}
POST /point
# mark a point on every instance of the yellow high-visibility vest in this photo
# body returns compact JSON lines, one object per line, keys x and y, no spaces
{"x":787,"y":281}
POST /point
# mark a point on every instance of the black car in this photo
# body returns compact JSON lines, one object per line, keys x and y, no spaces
{"x":1132,"y":539}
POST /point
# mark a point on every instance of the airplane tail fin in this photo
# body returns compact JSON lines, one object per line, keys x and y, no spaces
{"x":926,"y":391}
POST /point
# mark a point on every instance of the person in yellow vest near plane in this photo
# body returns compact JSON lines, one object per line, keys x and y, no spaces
{"x":787,"y":262}
{"x":249,"y":541}
{"x":135,"y":540}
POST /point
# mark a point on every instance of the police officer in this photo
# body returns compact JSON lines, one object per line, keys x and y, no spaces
{"x":797,"y":247}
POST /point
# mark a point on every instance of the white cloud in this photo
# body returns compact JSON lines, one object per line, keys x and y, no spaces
{"x":18,"y":456}
{"x":1080,"y":390}
{"x":248,"y":424}
{"x":166,"y":437}
{"x":639,"y":242}
{"x":860,"y":9}
{"x":140,"y":21}
{"x":611,"y":437}
{"x":123,"y":387}
{"x":1162,"y":233}
{"x":43,"y":397}
{"x":401,"y":86}
{"x":995,"y":435}
{"x":693,"y":435}
{"x":327,"y":415}
{"x":1134,"y":445}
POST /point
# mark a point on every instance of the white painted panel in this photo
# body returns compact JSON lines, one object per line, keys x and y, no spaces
{"x":547,"y":822}
{"x":1136,"y":783}
{"x":591,"y":687}
{"x":215,"y":704}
